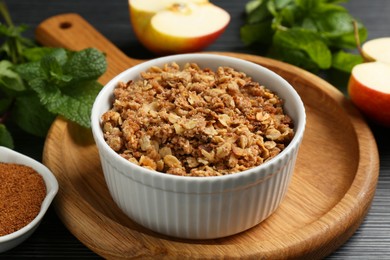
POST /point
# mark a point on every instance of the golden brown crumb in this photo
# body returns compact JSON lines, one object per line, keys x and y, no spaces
{"x":196,"y":122}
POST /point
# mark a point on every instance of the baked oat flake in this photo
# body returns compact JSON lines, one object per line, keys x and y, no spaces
{"x":196,"y":122}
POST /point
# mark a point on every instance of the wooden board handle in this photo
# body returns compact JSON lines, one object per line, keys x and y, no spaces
{"x":73,"y":32}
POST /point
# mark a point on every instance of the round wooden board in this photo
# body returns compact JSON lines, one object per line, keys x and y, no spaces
{"x":331,"y":191}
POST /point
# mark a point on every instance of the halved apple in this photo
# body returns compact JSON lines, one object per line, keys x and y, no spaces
{"x":169,"y":26}
{"x":369,"y":89}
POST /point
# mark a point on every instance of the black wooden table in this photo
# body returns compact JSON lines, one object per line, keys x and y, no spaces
{"x":111,"y":18}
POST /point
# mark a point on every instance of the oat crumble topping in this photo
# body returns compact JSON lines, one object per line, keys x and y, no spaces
{"x":196,"y":122}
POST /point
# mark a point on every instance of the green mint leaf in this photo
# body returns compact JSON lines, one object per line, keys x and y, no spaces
{"x":54,"y":71}
{"x":31,"y":116}
{"x":345,"y":61}
{"x":65,"y":82}
{"x":318,"y":19}
{"x":52,"y":68}
{"x":347,"y":39}
{"x":280,"y":4}
{"x":88,"y":91}
{"x":306,"y":42}
{"x":39,"y":83}
{"x":48,"y":67}
{"x":293,"y":56}
{"x":37,"y":53}
{"x":271,"y":6}
{"x":9,"y":79}
{"x":252,"y":5}
{"x":74,"y":103}
{"x":259,"y":14}
{"x":59,"y":54}
{"x":48,"y":93}
{"x":4,"y":31}
{"x":308,"y":5}
{"x":289,"y":15}
{"x":5,"y":137}
{"x":52,"y":64}
{"x":304,"y":32}
{"x":14,"y":43}
{"x":335,"y":25}
{"x":327,"y":7}
{"x":309,"y":24}
{"x":30,"y":71}
{"x":86,"y":64}
{"x":257,"y":33}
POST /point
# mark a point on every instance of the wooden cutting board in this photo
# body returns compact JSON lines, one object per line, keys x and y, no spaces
{"x":331,"y":191}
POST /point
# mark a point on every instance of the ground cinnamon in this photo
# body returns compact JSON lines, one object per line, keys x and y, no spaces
{"x":22,"y":191}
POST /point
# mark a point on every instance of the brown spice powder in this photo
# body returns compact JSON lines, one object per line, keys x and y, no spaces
{"x":22,"y":191}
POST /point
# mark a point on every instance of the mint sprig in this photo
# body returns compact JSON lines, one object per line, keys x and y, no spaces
{"x":313,"y":34}
{"x":65,"y":82}
{"x":39,"y":83}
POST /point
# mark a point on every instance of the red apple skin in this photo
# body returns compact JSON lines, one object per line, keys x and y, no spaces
{"x":374,"y":104}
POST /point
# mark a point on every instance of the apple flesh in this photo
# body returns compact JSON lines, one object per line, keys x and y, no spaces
{"x":369,"y":89}
{"x":377,"y":49}
{"x":169,"y":26}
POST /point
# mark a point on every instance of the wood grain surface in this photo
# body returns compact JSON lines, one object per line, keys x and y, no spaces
{"x":330,"y":194}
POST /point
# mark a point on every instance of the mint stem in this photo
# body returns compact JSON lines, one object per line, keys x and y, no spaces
{"x":5,"y":13}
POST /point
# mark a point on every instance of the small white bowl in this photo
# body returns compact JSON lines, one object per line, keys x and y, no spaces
{"x":9,"y":156}
{"x":200,"y":207}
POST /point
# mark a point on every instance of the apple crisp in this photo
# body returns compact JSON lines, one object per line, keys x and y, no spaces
{"x":196,"y":122}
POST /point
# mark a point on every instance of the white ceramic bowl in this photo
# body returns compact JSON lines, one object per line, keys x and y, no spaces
{"x":9,"y":156}
{"x":200,"y":207}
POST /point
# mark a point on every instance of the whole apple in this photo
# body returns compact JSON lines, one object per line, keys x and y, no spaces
{"x":169,"y":26}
